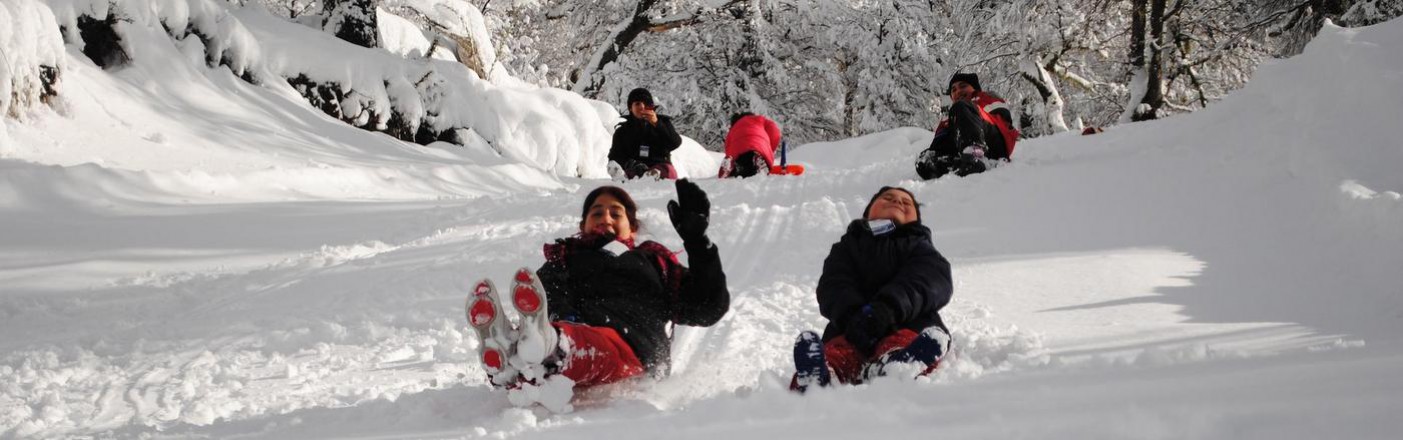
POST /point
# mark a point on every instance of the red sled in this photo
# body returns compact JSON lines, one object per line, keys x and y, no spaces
{"x":786,"y":170}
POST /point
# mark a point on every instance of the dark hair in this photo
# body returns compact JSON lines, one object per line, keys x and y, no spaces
{"x":617,"y":193}
{"x":736,"y":117}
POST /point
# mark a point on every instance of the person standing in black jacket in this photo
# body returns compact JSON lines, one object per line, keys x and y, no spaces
{"x":603,"y":306}
{"x":882,"y":288}
{"x":644,"y":141}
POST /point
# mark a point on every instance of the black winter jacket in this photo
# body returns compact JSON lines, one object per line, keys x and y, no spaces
{"x":901,"y":269}
{"x":636,"y":293}
{"x":633,"y":133}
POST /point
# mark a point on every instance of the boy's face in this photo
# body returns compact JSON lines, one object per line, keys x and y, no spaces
{"x":961,"y":91}
{"x":894,"y":205}
{"x":640,"y":110}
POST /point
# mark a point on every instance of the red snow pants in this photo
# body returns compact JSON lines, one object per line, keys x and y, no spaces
{"x":597,"y":355}
{"x":847,"y":363}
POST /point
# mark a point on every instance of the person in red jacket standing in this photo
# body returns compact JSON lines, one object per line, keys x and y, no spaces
{"x":977,"y":133}
{"x":750,"y":145}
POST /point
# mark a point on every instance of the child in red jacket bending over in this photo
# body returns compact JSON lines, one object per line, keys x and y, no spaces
{"x":750,"y":145}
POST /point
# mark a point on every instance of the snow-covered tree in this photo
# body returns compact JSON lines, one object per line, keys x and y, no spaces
{"x":828,"y":69}
{"x":1290,"y":24}
{"x":31,"y":56}
{"x":353,"y":21}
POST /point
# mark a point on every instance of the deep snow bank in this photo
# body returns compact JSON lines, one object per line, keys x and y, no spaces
{"x":182,"y":122}
{"x":417,"y":99}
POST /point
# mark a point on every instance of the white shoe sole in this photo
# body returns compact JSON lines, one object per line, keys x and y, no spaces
{"x":494,"y":332}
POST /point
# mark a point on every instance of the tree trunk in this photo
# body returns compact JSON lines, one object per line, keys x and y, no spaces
{"x":1136,"y":75}
{"x":468,"y":54}
{"x":1052,"y":105}
{"x":1137,"y":34}
{"x":353,"y":21}
{"x":1154,"y":69}
{"x":849,"y":96}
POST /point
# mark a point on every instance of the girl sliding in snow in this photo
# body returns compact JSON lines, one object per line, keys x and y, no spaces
{"x":882,"y":288}
{"x":600,"y":309}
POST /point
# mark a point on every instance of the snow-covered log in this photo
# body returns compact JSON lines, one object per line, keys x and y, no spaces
{"x":459,"y":26}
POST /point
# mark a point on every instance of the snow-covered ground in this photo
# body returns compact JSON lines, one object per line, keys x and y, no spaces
{"x":183,"y":254}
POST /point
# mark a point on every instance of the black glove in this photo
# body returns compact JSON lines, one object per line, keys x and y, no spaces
{"x":873,"y":323}
{"x":635,"y":169}
{"x":690,"y":213}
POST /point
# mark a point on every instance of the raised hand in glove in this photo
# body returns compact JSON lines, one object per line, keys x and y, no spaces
{"x":690,"y":213}
{"x":873,"y":323}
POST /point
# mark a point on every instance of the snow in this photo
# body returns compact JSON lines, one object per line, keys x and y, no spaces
{"x":185,"y":254}
{"x":402,"y":37}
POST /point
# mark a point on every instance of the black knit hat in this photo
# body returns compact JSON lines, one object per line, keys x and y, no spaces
{"x":640,"y":95}
{"x":884,"y":189}
{"x":970,"y":78}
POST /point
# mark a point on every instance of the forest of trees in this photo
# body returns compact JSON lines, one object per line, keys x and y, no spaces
{"x":829,"y":69}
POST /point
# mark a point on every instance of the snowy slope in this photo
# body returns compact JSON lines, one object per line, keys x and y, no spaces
{"x":1226,"y":274}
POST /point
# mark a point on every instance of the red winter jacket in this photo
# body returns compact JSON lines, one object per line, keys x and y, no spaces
{"x":753,"y":133}
{"x":994,"y":111}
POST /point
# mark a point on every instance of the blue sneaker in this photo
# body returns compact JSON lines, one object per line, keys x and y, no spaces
{"x":811,"y":368}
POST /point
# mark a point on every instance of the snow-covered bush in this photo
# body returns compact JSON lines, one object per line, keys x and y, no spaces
{"x":100,"y":27}
{"x":425,"y":100}
{"x":419,"y":99}
{"x":353,"y":21}
{"x":1368,"y":12}
{"x":31,"y":56}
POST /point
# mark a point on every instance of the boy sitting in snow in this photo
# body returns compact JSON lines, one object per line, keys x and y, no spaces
{"x":976,"y":135}
{"x":882,"y":288}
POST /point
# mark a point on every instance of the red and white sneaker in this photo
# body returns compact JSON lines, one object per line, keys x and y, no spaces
{"x":497,"y":338}
{"x":538,"y":340}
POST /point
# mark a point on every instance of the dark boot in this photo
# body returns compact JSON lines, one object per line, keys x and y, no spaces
{"x":810,"y":365}
{"x":933,"y":165}
{"x":924,"y":353}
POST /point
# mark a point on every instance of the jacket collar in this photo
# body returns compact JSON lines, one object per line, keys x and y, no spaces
{"x":913,"y":229}
{"x":564,"y":247}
